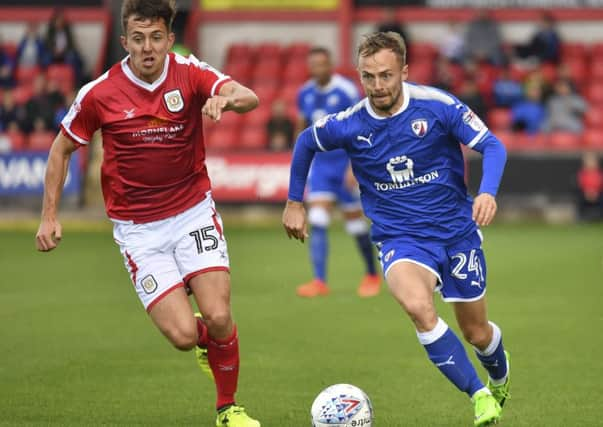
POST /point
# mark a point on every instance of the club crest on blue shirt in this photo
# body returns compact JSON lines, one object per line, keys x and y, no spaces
{"x":470,"y":118}
{"x":419,"y":127}
{"x":173,"y":100}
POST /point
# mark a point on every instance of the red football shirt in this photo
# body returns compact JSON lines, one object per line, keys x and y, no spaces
{"x":154,"y":153}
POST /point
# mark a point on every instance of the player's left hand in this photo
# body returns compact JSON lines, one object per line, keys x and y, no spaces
{"x":214,"y":106}
{"x":484,"y":209}
{"x":294,"y":220}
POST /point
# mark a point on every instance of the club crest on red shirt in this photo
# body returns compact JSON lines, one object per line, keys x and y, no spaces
{"x":173,"y":100}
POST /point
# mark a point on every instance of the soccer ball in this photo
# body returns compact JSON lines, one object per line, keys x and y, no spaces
{"x":342,"y":405}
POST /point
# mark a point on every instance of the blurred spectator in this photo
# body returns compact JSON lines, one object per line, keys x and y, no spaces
{"x":483,"y":41}
{"x":470,"y":95}
{"x":452,"y":43}
{"x":60,"y":43}
{"x":529,"y":114}
{"x":31,"y":51}
{"x":545,"y":44}
{"x":8,"y":111}
{"x":443,"y":77}
{"x":390,"y":23}
{"x":42,"y":105}
{"x":565,"y":109}
{"x":6,"y":68}
{"x":63,"y":108}
{"x":506,"y":91}
{"x":279,"y":128}
{"x":564,"y":72}
{"x":590,"y":185}
{"x":537,"y":78}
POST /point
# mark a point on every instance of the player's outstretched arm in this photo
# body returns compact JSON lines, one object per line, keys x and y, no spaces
{"x":233,"y":96}
{"x":294,"y":215}
{"x":50,"y":232}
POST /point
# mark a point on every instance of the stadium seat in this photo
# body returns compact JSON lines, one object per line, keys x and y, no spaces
{"x":298,"y":50}
{"x":549,"y":72}
{"x":507,"y":137}
{"x":63,"y":75}
{"x":420,"y":51}
{"x":240,"y":51}
{"x":265,"y":90}
{"x":269,"y":50}
{"x":421,"y":72}
{"x":499,"y":119}
{"x":593,"y":139}
{"x":268,"y":70}
{"x":253,"y":137}
{"x":240,"y":70}
{"x":573,"y":51}
{"x":22,"y":93}
{"x":222,"y":138}
{"x":596,"y":69}
{"x":529,"y":142}
{"x":16,"y":140}
{"x":230,"y":119}
{"x":577,"y":69}
{"x":594,"y":94}
{"x":565,"y":141}
{"x":259,"y":116}
{"x":289,"y":93}
{"x":596,"y":50}
{"x":593,"y":118}
{"x":40,"y":140}
{"x":296,"y":72}
{"x":26,"y":75}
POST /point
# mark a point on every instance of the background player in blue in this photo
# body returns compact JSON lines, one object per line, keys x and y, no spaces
{"x":328,"y":93}
{"x":403,"y":143}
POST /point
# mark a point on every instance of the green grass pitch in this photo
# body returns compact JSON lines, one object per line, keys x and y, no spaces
{"x":78,"y":349}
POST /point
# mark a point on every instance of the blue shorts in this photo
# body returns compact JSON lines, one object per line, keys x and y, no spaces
{"x":460,"y":267}
{"x":327,"y":180}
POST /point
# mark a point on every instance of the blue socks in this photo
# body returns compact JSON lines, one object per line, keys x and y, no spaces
{"x":446,"y":351}
{"x":319,"y":246}
{"x":493,"y":357}
{"x":366,"y":250}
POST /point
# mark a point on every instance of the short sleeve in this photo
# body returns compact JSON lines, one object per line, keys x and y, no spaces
{"x":206,"y":80}
{"x":464,"y":125}
{"x":82,"y":119}
{"x":327,"y":132}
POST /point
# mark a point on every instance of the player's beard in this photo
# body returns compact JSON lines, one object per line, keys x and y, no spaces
{"x":386,"y":108}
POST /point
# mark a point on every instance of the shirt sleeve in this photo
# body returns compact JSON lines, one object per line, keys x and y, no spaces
{"x":82,"y":119}
{"x":470,"y":130}
{"x":206,"y":80}
{"x":327,"y":133}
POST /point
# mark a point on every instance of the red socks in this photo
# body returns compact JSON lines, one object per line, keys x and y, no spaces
{"x":223,"y":357}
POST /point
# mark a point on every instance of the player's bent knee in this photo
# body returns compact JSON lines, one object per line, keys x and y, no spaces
{"x":422,"y":313}
{"x":183,"y":339}
{"x":477,"y":336}
{"x":218,"y":319}
{"x":319,"y":216}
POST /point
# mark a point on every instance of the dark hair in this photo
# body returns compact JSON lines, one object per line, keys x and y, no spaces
{"x":148,"y":9}
{"x":319,"y":50}
{"x":374,"y":42}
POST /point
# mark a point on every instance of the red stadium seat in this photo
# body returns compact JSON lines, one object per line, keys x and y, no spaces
{"x":507,"y":137}
{"x":422,"y":52}
{"x":573,"y":50}
{"x":296,"y":72}
{"x":527,"y":142}
{"x":240,"y":71}
{"x":499,"y":119}
{"x":269,"y":50}
{"x":593,"y":139}
{"x":268,"y":70}
{"x":565,"y":141}
{"x":259,"y":116}
{"x":222,"y":138}
{"x":549,"y":72}
{"x":40,"y":140}
{"x":421,"y":72}
{"x":596,"y":69}
{"x":230,"y":119}
{"x":253,"y":137}
{"x":298,"y":50}
{"x":594,"y":94}
{"x":265,"y":90}
{"x":16,"y":140}
{"x":289,"y":93}
{"x":26,"y":75}
{"x":63,"y":75}
{"x":594,"y":118}
{"x":240,"y":51}
{"x":22,"y":93}
{"x":577,"y":69}
{"x":596,"y":50}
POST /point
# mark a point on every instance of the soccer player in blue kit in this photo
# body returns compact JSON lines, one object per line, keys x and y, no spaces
{"x":403,"y":143}
{"x":327,"y":93}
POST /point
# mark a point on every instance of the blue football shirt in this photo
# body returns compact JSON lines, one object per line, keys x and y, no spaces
{"x":410,"y":166}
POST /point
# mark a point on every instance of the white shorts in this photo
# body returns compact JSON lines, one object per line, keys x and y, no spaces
{"x":164,"y":255}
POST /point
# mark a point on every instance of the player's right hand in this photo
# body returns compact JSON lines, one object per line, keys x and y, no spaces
{"x":49,"y":235}
{"x":294,"y":220}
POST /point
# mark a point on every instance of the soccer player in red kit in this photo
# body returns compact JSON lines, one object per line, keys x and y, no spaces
{"x":149,"y":108}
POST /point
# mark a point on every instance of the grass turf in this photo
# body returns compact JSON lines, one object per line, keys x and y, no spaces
{"x":78,"y":349}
